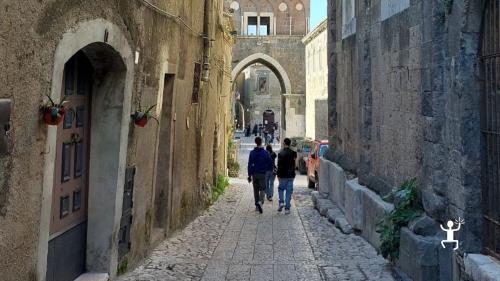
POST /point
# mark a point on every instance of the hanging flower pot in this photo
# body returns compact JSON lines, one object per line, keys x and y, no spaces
{"x":141,"y":118}
{"x":53,"y":113}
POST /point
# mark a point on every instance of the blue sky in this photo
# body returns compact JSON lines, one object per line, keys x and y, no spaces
{"x":318,"y":12}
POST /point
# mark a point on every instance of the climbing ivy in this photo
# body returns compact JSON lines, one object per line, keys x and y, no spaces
{"x":406,"y":207}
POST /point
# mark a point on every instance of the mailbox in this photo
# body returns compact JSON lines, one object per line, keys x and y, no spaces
{"x":5,"y":108}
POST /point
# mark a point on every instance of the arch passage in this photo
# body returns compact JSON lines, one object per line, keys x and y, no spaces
{"x":490,"y":123}
{"x":271,"y":63}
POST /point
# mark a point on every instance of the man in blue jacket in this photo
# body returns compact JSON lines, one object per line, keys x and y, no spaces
{"x":259,"y":162}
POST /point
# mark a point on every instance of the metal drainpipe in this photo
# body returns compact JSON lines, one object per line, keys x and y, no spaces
{"x":206,"y":41}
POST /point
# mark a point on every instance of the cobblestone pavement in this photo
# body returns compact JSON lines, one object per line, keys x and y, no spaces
{"x":233,"y":242}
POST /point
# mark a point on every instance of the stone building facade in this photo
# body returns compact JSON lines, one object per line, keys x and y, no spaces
{"x":411,"y":95}
{"x":270,"y":33}
{"x":259,"y":90}
{"x":317,"y":82}
{"x":97,"y":192}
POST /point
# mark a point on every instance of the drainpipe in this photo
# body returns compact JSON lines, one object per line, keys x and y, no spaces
{"x":206,"y":40}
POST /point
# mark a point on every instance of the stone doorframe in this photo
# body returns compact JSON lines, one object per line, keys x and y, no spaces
{"x":110,"y":117}
{"x":166,"y":69}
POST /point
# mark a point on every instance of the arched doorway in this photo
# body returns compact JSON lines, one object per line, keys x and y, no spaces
{"x":275,"y":67}
{"x":84,"y":172}
{"x":490,"y":126}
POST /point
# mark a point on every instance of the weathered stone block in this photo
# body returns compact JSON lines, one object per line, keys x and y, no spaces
{"x":325,"y":184}
{"x":418,"y":256}
{"x":333,"y":214}
{"x":424,"y":226}
{"x":354,"y":203}
{"x":482,"y":268}
{"x":374,"y":209}
{"x":342,"y":224}
{"x":434,"y":204}
{"x":337,"y":180}
{"x":314,"y":197}
{"x":324,"y":205}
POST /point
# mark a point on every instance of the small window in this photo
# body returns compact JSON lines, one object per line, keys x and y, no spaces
{"x":265,"y":26}
{"x":77,"y":200}
{"x":252,"y":26}
{"x":63,"y":206}
{"x":66,"y":154}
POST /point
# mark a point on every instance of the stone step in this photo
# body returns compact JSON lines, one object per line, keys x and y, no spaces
{"x":93,"y":277}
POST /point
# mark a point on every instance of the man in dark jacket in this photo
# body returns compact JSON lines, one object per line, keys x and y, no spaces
{"x":259,"y":163}
{"x":286,"y":175}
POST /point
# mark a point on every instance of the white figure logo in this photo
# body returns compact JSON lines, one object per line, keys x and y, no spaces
{"x":450,"y":232}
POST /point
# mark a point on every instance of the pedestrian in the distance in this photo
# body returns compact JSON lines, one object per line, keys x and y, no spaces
{"x":247,"y":130}
{"x":271,"y":175}
{"x":286,"y":175}
{"x":259,"y":163}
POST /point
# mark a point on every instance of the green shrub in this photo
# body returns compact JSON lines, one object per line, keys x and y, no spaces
{"x":220,"y":186}
{"x":122,"y":267}
{"x":231,"y":144}
{"x":406,"y":207}
{"x":233,"y":165}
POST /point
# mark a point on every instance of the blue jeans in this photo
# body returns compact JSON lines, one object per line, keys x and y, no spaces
{"x":286,"y":184}
{"x":270,"y":183}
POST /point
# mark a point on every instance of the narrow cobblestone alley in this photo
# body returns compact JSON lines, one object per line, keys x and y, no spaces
{"x":231,"y":241}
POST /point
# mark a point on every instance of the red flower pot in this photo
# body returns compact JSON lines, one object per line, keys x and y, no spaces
{"x":53,"y":119}
{"x":141,"y":122}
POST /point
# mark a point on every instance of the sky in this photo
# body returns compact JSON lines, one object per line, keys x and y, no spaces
{"x":318,"y":12}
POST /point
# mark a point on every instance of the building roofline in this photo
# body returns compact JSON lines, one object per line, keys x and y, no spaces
{"x":315,"y":32}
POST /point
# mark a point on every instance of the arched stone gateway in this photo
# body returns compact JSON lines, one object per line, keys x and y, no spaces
{"x":292,"y":103}
{"x":274,"y":65}
{"x":100,"y":166}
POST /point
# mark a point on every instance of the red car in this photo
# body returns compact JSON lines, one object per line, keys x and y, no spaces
{"x":320,"y":148}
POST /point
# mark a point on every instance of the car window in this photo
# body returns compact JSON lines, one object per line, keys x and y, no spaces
{"x":306,"y":149}
{"x":322,"y":150}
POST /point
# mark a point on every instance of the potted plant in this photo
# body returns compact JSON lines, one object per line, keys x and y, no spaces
{"x":141,"y":118}
{"x":53,"y":113}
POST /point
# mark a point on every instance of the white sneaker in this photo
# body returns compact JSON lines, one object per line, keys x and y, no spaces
{"x":280,"y":208}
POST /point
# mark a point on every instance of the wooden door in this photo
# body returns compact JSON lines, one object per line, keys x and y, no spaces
{"x":67,"y":245}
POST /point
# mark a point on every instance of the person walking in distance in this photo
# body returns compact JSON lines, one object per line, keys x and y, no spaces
{"x":286,"y":175}
{"x":271,"y":175}
{"x":259,"y":163}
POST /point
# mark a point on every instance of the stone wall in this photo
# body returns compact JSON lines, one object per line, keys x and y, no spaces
{"x":404,"y":102}
{"x":316,"y":82}
{"x":199,"y":134}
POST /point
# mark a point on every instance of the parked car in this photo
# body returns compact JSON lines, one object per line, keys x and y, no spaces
{"x":304,"y":148}
{"x":320,"y":148}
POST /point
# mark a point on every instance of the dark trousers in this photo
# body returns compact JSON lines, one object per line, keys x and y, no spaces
{"x":259,"y":188}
